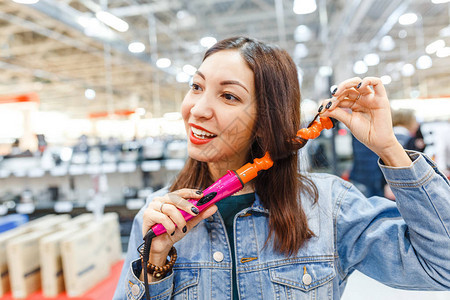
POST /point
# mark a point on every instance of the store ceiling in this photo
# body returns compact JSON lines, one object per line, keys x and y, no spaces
{"x":45,"y":47}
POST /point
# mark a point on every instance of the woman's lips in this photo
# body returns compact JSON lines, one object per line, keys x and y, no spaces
{"x":199,"y":135}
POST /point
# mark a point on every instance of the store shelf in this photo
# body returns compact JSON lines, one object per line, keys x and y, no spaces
{"x":103,"y":291}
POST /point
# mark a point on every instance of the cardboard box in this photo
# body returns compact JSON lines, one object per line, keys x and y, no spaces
{"x":111,"y":227}
{"x":78,"y":221}
{"x":84,"y":259}
{"x":52,"y":280}
{"x":5,"y":237}
{"x":24,"y":264}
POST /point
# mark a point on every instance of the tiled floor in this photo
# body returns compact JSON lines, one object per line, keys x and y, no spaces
{"x":361,"y":287}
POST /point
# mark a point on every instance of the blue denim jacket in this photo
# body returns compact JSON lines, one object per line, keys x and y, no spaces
{"x":403,"y":244}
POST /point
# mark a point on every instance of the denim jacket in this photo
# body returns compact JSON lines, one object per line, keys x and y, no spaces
{"x":403,"y":244}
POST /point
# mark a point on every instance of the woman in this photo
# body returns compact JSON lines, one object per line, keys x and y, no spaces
{"x":286,"y":235}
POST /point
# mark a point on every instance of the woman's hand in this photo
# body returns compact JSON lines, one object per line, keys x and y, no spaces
{"x":164,"y":210}
{"x":362,"y":105}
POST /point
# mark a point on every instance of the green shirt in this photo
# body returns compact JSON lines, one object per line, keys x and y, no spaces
{"x":228,"y":208}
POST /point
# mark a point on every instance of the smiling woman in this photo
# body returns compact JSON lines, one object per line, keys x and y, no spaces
{"x":286,"y":234}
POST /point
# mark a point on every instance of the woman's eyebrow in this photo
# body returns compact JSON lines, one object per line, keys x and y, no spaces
{"x":225,"y":82}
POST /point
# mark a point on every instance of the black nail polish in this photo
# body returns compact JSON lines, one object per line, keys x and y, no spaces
{"x":198,"y":192}
{"x":184,"y":229}
{"x":172,"y":233}
{"x":320,"y":108}
{"x":334,"y":91}
{"x":328,"y":105}
{"x":195,"y":210}
{"x":359,"y":85}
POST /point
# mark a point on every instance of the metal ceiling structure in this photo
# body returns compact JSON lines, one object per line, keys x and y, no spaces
{"x":58,"y":48}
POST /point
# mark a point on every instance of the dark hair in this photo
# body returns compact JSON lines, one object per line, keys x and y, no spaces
{"x":278,"y":118}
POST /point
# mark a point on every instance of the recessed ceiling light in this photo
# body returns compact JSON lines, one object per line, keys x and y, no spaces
{"x":136,"y":47}
{"x":407,"y":19}
{"x":26,"y":1}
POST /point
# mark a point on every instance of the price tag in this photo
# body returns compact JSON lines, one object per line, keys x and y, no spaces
{"x":3,"y":210}
{"x":127,"y":167}
{"x":174,"y":164}
{"x":4,"y":173}
{"x":76,"y":169}
{"x":93,"y":169}
{"x":25,"y":208}
{"x":109,"y":168}
{"x":63,"y":206}
{"x":151,"y":166}
{"x":135,"y":204}
{"x":36,"y":172}
{"x":58,"y":171}
{"x":20,"y":173}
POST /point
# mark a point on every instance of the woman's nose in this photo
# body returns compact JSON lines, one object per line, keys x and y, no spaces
{"x":202,"y":108}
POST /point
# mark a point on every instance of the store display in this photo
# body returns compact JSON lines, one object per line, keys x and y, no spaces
{"x":85,"y":262}
{"x":52,"y":279}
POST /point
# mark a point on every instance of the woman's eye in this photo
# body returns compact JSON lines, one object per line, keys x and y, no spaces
{"x":195,"y":87}
{"x":230,"y":97}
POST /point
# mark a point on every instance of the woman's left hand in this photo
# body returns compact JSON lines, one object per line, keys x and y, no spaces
{"x":362,"y":105}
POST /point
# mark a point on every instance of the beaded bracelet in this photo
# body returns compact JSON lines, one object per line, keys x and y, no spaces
{"x":160,"y":272}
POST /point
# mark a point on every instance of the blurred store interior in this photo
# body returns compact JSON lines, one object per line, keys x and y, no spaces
{"x":90,"y":91}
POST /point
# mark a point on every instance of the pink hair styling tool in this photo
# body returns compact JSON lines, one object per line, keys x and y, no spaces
{"x":229,"y":184}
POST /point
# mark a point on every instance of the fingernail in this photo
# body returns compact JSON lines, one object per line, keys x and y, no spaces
{"x":195,"y":210}
{"x":359,"y":85}
{"x":172,"y":233}
{"x":320,"y":108}
{"x":198,"y":192}
{"x":184,"y":229}
{"x":328,"y":105}
{"x":334,"y":91}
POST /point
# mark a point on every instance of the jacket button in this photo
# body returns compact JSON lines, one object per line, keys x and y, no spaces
{"x":135,"y":290}
{"x":218,"y":256}
{"x":307,"y":279}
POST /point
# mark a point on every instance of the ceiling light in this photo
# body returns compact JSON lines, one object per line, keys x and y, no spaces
{"x":443,"y":52}
{"x":360,"y":67}
{"x":300,"y":51}
{"x":163,"y":63}
{"x":182,"y":77}
{"x":325,"y":71}
{"x":181,"y":14}
{"x":26,"y":1}
{"x":303,"y":7}
{"x":408,"y":70}
{"x":386,"y":79}
{"x":190,"y":70}
{"x":445,"y":32}
{"x":372,"y":59}
{"x":402,"y":34}
{"x":112,"y":21}
{"x":89,"y":94}
{"x":136,"y":47}
{"x":435,"y":46}
{"x":302,"y":34}
{"x":207,"y":41}
{"x":407,"y":19}
{"x":424,"y":62}
{"x":387,"y":43}
{"x":140,"y":111}
{"x":440,"y":1}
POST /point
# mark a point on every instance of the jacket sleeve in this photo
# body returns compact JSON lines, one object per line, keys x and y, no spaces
{"x":403,"y":244}
{"x":129,"y":286}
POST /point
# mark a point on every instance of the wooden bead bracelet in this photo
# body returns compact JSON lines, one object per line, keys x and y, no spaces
{"x":160,"y":272}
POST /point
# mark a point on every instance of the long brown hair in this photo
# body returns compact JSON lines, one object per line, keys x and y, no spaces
{"x":278,"y":118}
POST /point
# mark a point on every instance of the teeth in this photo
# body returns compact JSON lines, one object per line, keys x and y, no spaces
{"x":201,"y":133}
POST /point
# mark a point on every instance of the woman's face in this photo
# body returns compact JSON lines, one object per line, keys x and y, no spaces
{"x":219,"y":111}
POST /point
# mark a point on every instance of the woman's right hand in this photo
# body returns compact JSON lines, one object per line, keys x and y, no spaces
{"x":164,"y":210}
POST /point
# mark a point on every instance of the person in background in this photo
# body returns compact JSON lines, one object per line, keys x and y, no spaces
{"x":365,"y":173}
{"x":285,"y":235}
{"x":405,"y":126}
